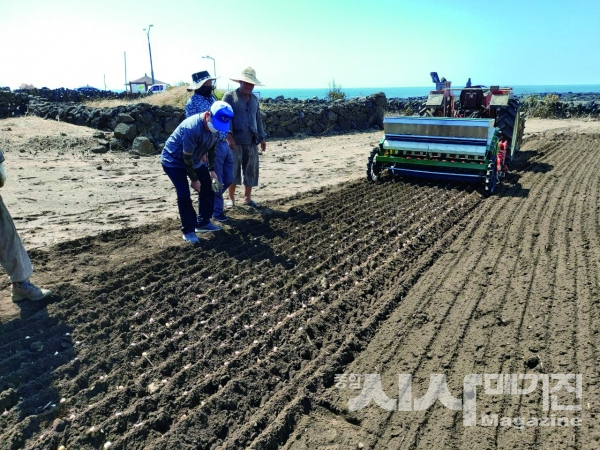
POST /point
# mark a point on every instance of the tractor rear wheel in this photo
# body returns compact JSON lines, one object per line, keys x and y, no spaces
{"x":506,"y":119}
{"x":373,"y":167}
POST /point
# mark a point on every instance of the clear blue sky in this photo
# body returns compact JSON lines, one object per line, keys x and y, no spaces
{"x":301,"y":44}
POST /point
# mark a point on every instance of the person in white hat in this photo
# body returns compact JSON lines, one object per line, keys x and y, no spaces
{"x":202,"y":86}
{"x":200,"y":101}
{"x":245,"y":134}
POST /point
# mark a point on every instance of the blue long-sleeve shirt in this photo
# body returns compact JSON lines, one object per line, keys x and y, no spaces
{"x":192,"y":137}
{"x":197,"y":104}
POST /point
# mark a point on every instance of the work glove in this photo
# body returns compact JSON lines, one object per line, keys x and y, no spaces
{"x":216,"y":185}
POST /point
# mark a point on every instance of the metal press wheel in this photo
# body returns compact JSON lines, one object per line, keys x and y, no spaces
{"x":491,"y":178}
{"x":373,"y":167}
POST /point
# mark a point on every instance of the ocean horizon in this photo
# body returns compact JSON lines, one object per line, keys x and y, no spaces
{"x":407,"y":92}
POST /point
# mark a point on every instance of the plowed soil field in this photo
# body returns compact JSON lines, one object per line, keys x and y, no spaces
{"x":241,"y":343}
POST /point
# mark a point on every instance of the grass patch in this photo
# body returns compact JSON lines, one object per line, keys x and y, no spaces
{"x":175,"y":96}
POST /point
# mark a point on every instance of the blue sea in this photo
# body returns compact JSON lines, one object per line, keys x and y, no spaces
{"x":406,"y":92}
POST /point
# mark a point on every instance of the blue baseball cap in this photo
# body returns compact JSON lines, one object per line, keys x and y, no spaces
{"x":221,"y":113}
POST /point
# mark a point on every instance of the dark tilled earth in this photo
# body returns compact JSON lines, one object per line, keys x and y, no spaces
{"x":237,"y":343}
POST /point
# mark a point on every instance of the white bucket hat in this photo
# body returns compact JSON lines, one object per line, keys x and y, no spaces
{"x":249,"y":76}
{"x":198,"y":80}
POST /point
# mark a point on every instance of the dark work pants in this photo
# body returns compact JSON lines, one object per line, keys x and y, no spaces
{"x":224,"y":171}
{"x":206,"y":198}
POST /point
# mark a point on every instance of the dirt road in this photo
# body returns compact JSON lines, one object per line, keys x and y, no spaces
{"x":150,"y":344}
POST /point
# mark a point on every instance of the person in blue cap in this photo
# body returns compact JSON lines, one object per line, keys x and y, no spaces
{"x":13,"y":256}
{"x":182,"y":157}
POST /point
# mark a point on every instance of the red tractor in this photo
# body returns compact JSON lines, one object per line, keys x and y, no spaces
{"x":479,"y":102}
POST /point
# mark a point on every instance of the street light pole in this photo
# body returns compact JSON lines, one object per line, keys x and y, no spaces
{"x":214,"y":66}
{"x":150,"y":50}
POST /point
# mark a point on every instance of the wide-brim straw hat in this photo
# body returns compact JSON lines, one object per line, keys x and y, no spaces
{"x":249,"y":76}
{"x":198,"y":79}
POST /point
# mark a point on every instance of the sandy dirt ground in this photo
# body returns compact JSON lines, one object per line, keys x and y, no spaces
{"x":58,"y":190}
{"x":149,"y":343}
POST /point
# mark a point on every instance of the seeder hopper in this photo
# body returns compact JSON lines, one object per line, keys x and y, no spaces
{"x":473,"y":138}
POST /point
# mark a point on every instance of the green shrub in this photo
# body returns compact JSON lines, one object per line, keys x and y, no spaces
{"x":408,"y":111}
{"x":335,"y":92}
{"x":219,"y":93}
{"x":544,"y":107}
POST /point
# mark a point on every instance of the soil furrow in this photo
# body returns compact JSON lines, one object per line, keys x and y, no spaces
{"x":237,"y":343}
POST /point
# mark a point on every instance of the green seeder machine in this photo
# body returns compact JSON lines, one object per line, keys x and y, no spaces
{"x":472,"y":139}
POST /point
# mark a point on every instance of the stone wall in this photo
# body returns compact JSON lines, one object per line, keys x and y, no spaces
{"x":126,"y":122}
{"x":151,"y":125}
{"x":14,"y":103}
{"x":555,"y":106}
{"x":405,"y":106}
{"x":284,"y":118}
{"x":291,"y":116}
{"x":72,"y":95}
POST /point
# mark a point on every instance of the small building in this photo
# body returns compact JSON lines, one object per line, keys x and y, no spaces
{"x":141,"y":85}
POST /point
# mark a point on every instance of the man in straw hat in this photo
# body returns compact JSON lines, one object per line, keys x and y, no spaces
{"x":246,"y":132}
{"x":200,"y":101}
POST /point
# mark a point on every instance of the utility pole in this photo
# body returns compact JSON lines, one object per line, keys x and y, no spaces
{"x":214,"y":66}
{"x":150,"y":50}
{"x":125,"y":58}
